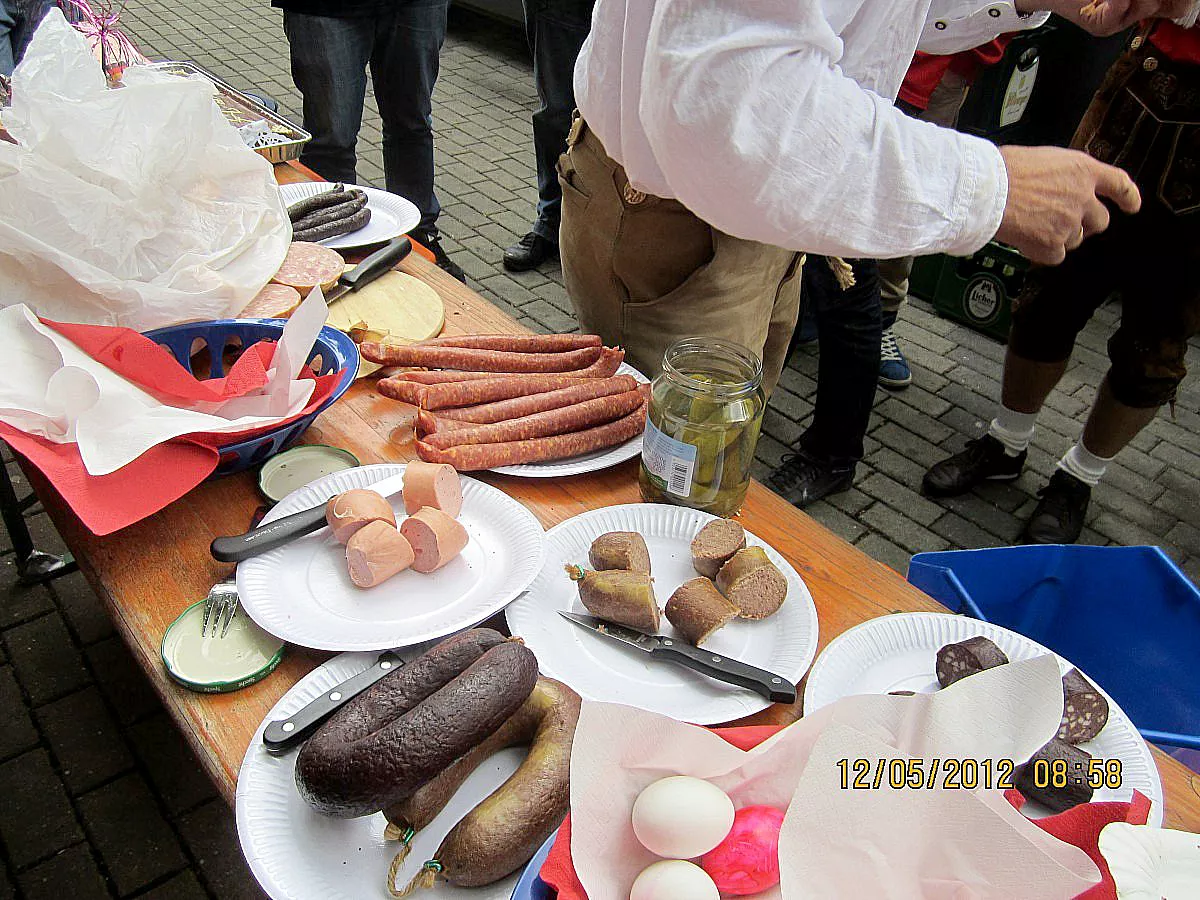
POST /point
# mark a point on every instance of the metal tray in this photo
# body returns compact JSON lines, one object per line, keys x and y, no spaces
{"x":241,"y":109}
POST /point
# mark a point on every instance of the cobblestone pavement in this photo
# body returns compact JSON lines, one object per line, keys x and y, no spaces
{"x":100,"y":798}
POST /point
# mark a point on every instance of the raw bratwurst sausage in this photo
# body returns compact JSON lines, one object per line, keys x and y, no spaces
{"x":405,"y":729}
{"x":477,"y":360}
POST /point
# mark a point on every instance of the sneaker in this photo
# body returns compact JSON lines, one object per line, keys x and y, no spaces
{"x":802,"y":480}
{"x":433,"y":242}
{"x":1058,"y":517}
{"x":529,"y":253}
{"x":983,"y":459}
{"x":893,"y":367}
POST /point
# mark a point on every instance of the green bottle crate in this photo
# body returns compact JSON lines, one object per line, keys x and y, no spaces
{"x":975,"y":290}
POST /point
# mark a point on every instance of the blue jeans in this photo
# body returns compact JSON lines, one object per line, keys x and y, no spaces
{"x":556,"y":29}
{"x":401,"y":46}
{"x":18,"y":21}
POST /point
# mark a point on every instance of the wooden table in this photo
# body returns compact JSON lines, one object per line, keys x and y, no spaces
{"x":148,"y":573}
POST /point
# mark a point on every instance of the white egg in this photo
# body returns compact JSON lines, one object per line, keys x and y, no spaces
{"x":682,"y":817}
{"x":673,"y":879}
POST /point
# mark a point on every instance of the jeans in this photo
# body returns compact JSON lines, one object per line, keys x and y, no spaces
{"x":19,"y":19}
{"x":851,"y":327}
{"x":556,"y":29}
{"x":330,"y":57}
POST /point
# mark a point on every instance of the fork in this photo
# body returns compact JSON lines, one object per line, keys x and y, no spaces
{"x":221,"y":603}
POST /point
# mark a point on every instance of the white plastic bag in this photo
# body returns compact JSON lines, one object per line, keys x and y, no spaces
{"x":139,"y":206}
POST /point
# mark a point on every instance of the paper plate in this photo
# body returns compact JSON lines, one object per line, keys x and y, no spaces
{"x":298,"y":854}
{"x":588,"y":462}
{"x":301,"y":592}
{"x":898,"y":653}
{"x":601,"y":669}
{"x":391,"y":214}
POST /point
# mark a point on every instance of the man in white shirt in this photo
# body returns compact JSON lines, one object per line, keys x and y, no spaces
{"x":722,"y":139}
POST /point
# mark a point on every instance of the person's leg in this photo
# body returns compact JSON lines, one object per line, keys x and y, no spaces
{"x":894,"y":371}
{"x":329,"y":65}
{"x":29,"y":16}
{"x":556,"y":30}
{"x":8,"y":24}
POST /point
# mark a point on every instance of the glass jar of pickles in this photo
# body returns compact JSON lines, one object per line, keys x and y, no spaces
{"x":705,"y":413}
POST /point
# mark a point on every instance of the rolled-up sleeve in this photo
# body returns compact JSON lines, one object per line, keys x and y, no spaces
{"x":955,"y":25}
{"x":759,"y":132}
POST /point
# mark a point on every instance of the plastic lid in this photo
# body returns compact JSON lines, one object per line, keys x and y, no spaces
{"x":292,"y":469}
{"x":213,"y":664}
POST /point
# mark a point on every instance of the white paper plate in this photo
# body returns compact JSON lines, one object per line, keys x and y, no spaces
{"x":298,"y":854}
{"x":588,"y":462}
{"x":391,"y":214}
{"x":898,"y":653}
{"x":601,"y":669}
{"x":302,"y":593}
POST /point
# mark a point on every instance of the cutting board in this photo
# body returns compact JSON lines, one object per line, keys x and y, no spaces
{"x":396,"y":306}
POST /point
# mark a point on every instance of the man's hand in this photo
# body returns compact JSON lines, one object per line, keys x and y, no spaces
{"x":1054,"y":200}
{"x":1105,"y":17}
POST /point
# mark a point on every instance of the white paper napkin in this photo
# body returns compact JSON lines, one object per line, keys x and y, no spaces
{"x":54,"y":390}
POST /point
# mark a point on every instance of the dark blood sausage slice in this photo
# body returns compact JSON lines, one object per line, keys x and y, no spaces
{"x":477,"y":360}
{"x":516,"y":343}
{"x":544,"y":424}
{"x":1038,"y":777}
{"x":407,"y":728}
{"x":502,"y":410}
{"x":472,"y":457}
{"x":955,"y":661}
{"x":1085,"y":711}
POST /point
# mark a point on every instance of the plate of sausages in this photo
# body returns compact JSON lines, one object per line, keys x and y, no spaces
{"x":393,"y":569}
{"x":344,"y":217}
{"x":533,"y":405}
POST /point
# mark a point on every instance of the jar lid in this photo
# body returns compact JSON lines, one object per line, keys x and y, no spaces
{"x":292,"y":469}
{"x":215,"y":665}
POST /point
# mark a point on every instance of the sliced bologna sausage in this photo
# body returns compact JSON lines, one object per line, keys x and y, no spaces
{"x":405,"y":729}
{"x":1085,"y":711}
{"x":436,"y":538}
{"x":471,"y":457}
{"x":477,"y":360}
{"x":375,"y":553}
{"x":308,"y":265}
{"x":351,"y":510}
{"x":517,"y":343}
{"x":955,"y":661}
{"x":432,"y":484}
{"x":275,"y":301}
{"x":500,"y":411}
{"x":556,"y":421}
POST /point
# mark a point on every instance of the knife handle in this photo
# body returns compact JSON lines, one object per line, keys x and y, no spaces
{"x":236,"y":548}
{"x":722,"y":668}
{"x":377,"y":263}
{"x":284,"y":733}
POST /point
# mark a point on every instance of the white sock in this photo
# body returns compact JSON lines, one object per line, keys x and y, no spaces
{"x":1013,"y":429}
{"x":1084,"y":464}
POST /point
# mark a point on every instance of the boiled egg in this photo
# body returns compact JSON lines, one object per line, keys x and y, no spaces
{"x":673,"y":879}
{"x":682,"y":817}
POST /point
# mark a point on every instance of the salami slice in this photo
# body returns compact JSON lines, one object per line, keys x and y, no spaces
{"x":517,"y":343}
{"x":471,"y":360}
{"x":308,"y":265}
{"x":1085,"y":711}
{"x":1056,"y":763}
{"x":955,"y":661}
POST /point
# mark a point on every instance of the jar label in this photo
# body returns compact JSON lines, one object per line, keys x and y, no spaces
{"x":668,"y":462}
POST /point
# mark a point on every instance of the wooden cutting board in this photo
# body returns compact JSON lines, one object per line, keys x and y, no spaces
{"x":395,"y":306}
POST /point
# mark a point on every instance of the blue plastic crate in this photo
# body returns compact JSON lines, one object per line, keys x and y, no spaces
{"x":531,"y":887}
{"x":333,"y":351}
{"x":1127,"y":616}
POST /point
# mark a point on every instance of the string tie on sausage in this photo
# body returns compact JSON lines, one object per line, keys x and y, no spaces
{"x":576,"y":573}
{"x":405,"y":835}
{"x":426,"y":878}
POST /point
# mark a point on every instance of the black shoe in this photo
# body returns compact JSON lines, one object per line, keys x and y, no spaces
{"x":529,"y":253}
{"x":802,"y":480}
{"x":433,"y":242}
{"x":1058,"y":517}
{"x":983,"y":459}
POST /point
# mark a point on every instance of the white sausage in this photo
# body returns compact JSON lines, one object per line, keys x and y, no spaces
{"x":435,"y":538}
{"x":376,"y":552}
{"x":351,"y":510}
{"x":432,"y":484}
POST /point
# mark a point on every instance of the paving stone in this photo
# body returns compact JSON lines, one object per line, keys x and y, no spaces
{"x":1184,"y":460}
{"x":47,"y":662}
{"x":781,"y":427}
{"x":902,"y":530}
{"x":853,"y":501}
{"x":882,"y":550}
{"x":899,"y":467}
{"x":7,"y":891}
{"x":35,"y":817}
{"x":183,"y":886}
{"x":19,"y":603}
{"x":211,"y":836}
{"x":1186,"y":537}
{"x":920,"y":358}
{"x":174,"y":771}
{"x":82,"y":609}
{"x":902,"y":498}
{"x":1126,"y":533}
{"x":70,"y":873}
{"x":122,"y":682}
{"x":914,"y":420}
{"x":769,"y":451}
{"x":912,"y":446}
{"x":85,"y":739}
{"x":17,"y":733}
{"x":797,"y":382}
{"x":964,"y":534}
{"x":836,"y":521}
{"x":961,"y":396}
{"x":134,"y":841}
{"x":910,"y":333}
{"x":1134,"y":509}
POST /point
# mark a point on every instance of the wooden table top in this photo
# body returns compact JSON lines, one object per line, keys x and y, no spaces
{"x":148,"y":573}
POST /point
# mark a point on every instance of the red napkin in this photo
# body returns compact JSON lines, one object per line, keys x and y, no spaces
{"x":1080,"y":826}
{"x":166,"y":472}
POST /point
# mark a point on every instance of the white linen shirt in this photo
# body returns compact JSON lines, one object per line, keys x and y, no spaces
{"x":773,"y":120}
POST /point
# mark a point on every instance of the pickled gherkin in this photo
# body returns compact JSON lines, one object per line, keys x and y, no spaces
{"x":705,"y":414}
